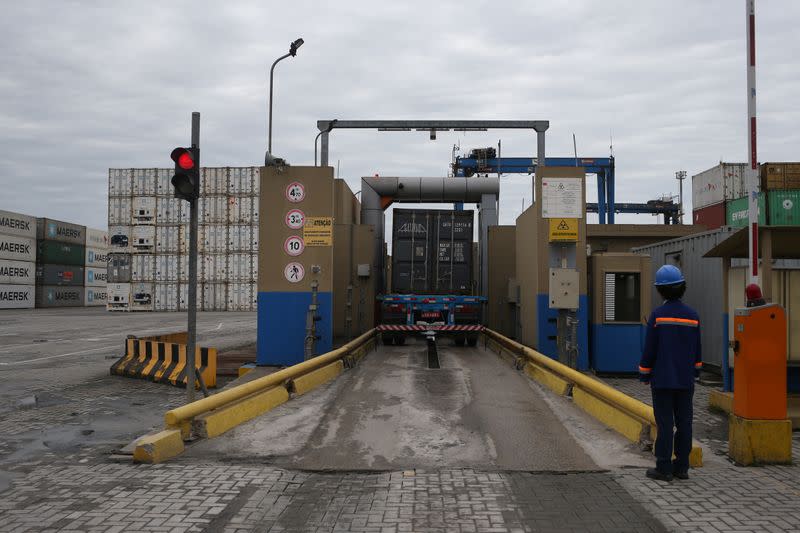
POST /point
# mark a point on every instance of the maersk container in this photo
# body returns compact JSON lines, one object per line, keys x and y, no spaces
{"x":143,"y":238}
{"x":96,"y":238}
{"x":120,"y":182}
{"x":168,"y":210}
{"x":240,"y":267}
{"x":213,"y":268}
{"x":241,"y":180}
{"x":119,"y":295}
{"x":213,"y":181}
{"x":119,"y":211}
{"x":60,"y":253}
{"x":213,"y":297}
{"x":144,"y":182}
{"x":95,"y":277}
{"x":54,"y":296}
{"x":213,"y":239}
{"x":95,"y":296}
{"x":17,"y":248}
{"x":240,"y":297}
{"x":144,"y":210}
{"x":142,"y":295}
{"x":56,"y":230}
{"x":169,"y":239}
{"x":784,"y":208}
{"x":167,"y":267}
{"x":60,"y":275}
{"x":119,"y":238}
{"x":241,"y":210}
{"x":737,"y":212}
{"x":17,"y":296}
{"x":213,"y":209}
{"x":96,"y":257}
{"x":725,"y":181}
{"x":17,"y":225}
{"x":143,"y":267}
{"x":119,"y":268}
{"x":165,"y":297}
{"x":17,"y":272}
{"x":240,"y":238}
{"x":432,"y":251}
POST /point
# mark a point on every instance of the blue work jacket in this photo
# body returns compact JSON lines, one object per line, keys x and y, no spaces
{"x":672,"y":357}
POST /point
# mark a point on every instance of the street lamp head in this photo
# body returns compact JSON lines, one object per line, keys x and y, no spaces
{"x":294,"y":46}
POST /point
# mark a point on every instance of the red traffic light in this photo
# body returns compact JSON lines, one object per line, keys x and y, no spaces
{"x":183,"y":158}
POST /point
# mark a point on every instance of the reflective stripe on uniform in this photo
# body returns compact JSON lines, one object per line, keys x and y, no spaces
{"x":670,"y":321}
{"x":698,"y":365}
{"x":645,"y":370}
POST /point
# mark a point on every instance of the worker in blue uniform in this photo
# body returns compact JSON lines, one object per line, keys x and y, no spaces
{"x":670,"y":362}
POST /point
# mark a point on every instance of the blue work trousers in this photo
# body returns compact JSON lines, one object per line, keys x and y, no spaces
{"x":673,"y":411}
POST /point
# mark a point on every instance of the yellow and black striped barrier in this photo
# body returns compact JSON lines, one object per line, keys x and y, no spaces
{"x":164,"y":362}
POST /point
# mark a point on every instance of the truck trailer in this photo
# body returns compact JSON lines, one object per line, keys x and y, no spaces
{"x":432,"y":277}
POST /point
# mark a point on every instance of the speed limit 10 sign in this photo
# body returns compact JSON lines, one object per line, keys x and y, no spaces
{"x":294,"y":245}
{"x":295,"y":192}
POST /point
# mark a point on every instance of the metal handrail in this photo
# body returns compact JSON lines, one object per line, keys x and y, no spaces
{"x":186,"y":412}
{"x":598,"y":388}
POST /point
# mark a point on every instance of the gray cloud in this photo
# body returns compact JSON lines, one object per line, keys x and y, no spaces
{"x":88,"y":85}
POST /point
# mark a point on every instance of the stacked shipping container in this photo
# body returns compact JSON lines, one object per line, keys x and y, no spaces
{"x":719,"y":195}
{"x":60,"y":260}
{"x":96,"y":268}
{"x":149,"y":240}
{"x":17,"y":261}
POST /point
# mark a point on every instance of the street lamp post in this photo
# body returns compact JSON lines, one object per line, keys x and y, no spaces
{"x":292,"y":52}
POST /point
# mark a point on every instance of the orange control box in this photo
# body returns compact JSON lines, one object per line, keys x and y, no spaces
{"x":759,"y":378}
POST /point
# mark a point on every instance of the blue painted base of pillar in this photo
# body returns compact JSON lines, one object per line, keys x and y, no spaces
{"x":282,"y":326}
{"x":547,"y":334}
{"x":617,"y":348}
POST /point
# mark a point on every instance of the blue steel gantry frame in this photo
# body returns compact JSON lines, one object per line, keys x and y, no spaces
{"x":603,"y":167}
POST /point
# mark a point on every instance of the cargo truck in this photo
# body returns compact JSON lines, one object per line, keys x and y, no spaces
{"x":432,"y":277}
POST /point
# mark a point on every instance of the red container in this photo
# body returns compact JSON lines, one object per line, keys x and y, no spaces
{"x":712,"y":216}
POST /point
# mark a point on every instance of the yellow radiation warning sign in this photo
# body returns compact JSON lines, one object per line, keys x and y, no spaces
{"x":564,"y":229}
{"x":318,"y":231}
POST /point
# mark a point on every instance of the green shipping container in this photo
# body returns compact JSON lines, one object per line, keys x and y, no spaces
{"x":737,"y":215}
{"x":784,"y":208}
{"x":60,"y":253}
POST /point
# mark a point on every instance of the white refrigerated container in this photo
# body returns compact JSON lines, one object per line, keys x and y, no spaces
{"x":143,"y":210}
{"x":144,"y":238}
{"x":142,"y":267}
{"x":120,"y":182}
{"x":144,"y":182}
{"x":119,"y":211}
{"x":168,"y":210}
{"x":167,"y":267}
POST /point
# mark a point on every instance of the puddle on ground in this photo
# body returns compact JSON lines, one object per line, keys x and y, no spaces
{"x":44,"y":399}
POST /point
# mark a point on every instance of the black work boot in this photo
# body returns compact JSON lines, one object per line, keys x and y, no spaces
{"x":681,"y":474}
{"x":654,"y":473}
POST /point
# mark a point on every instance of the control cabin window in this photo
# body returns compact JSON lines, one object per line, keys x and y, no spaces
{"x":622,"y":297}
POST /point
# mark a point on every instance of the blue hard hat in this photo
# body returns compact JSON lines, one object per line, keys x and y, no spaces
{"x":669,"y":275}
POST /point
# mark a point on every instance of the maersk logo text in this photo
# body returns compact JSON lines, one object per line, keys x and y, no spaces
{"x":15,"y":248}
{"x":14,"y":223}
{"x":13,"y":296}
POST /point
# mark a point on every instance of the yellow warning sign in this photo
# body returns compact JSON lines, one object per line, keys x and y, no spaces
{"x":564,"y":229}
{"x":318,"y":231}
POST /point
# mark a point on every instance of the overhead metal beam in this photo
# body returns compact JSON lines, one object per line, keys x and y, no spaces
{"x":539,"y":126}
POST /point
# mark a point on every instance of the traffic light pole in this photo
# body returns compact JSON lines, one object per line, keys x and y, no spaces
{"x":192,"y":319}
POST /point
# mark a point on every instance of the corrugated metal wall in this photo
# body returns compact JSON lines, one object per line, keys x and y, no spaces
{"x":704,"y":290}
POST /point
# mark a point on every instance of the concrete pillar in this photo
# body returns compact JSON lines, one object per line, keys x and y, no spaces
{"x":486,"y":217}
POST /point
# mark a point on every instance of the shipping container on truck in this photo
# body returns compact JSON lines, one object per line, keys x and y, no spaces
{"x":432,"y":276}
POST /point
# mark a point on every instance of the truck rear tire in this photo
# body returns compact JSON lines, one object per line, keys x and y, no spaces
{"x":472,"y":341}
{"x":387,"y":340}
{"x":400,"y":340}
{"x":459,"y":341}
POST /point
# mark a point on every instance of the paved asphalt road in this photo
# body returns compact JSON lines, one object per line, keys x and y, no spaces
{"x":57,"y":395}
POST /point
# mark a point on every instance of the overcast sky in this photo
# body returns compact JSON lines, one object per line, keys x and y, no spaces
{"x":85,"y":86}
